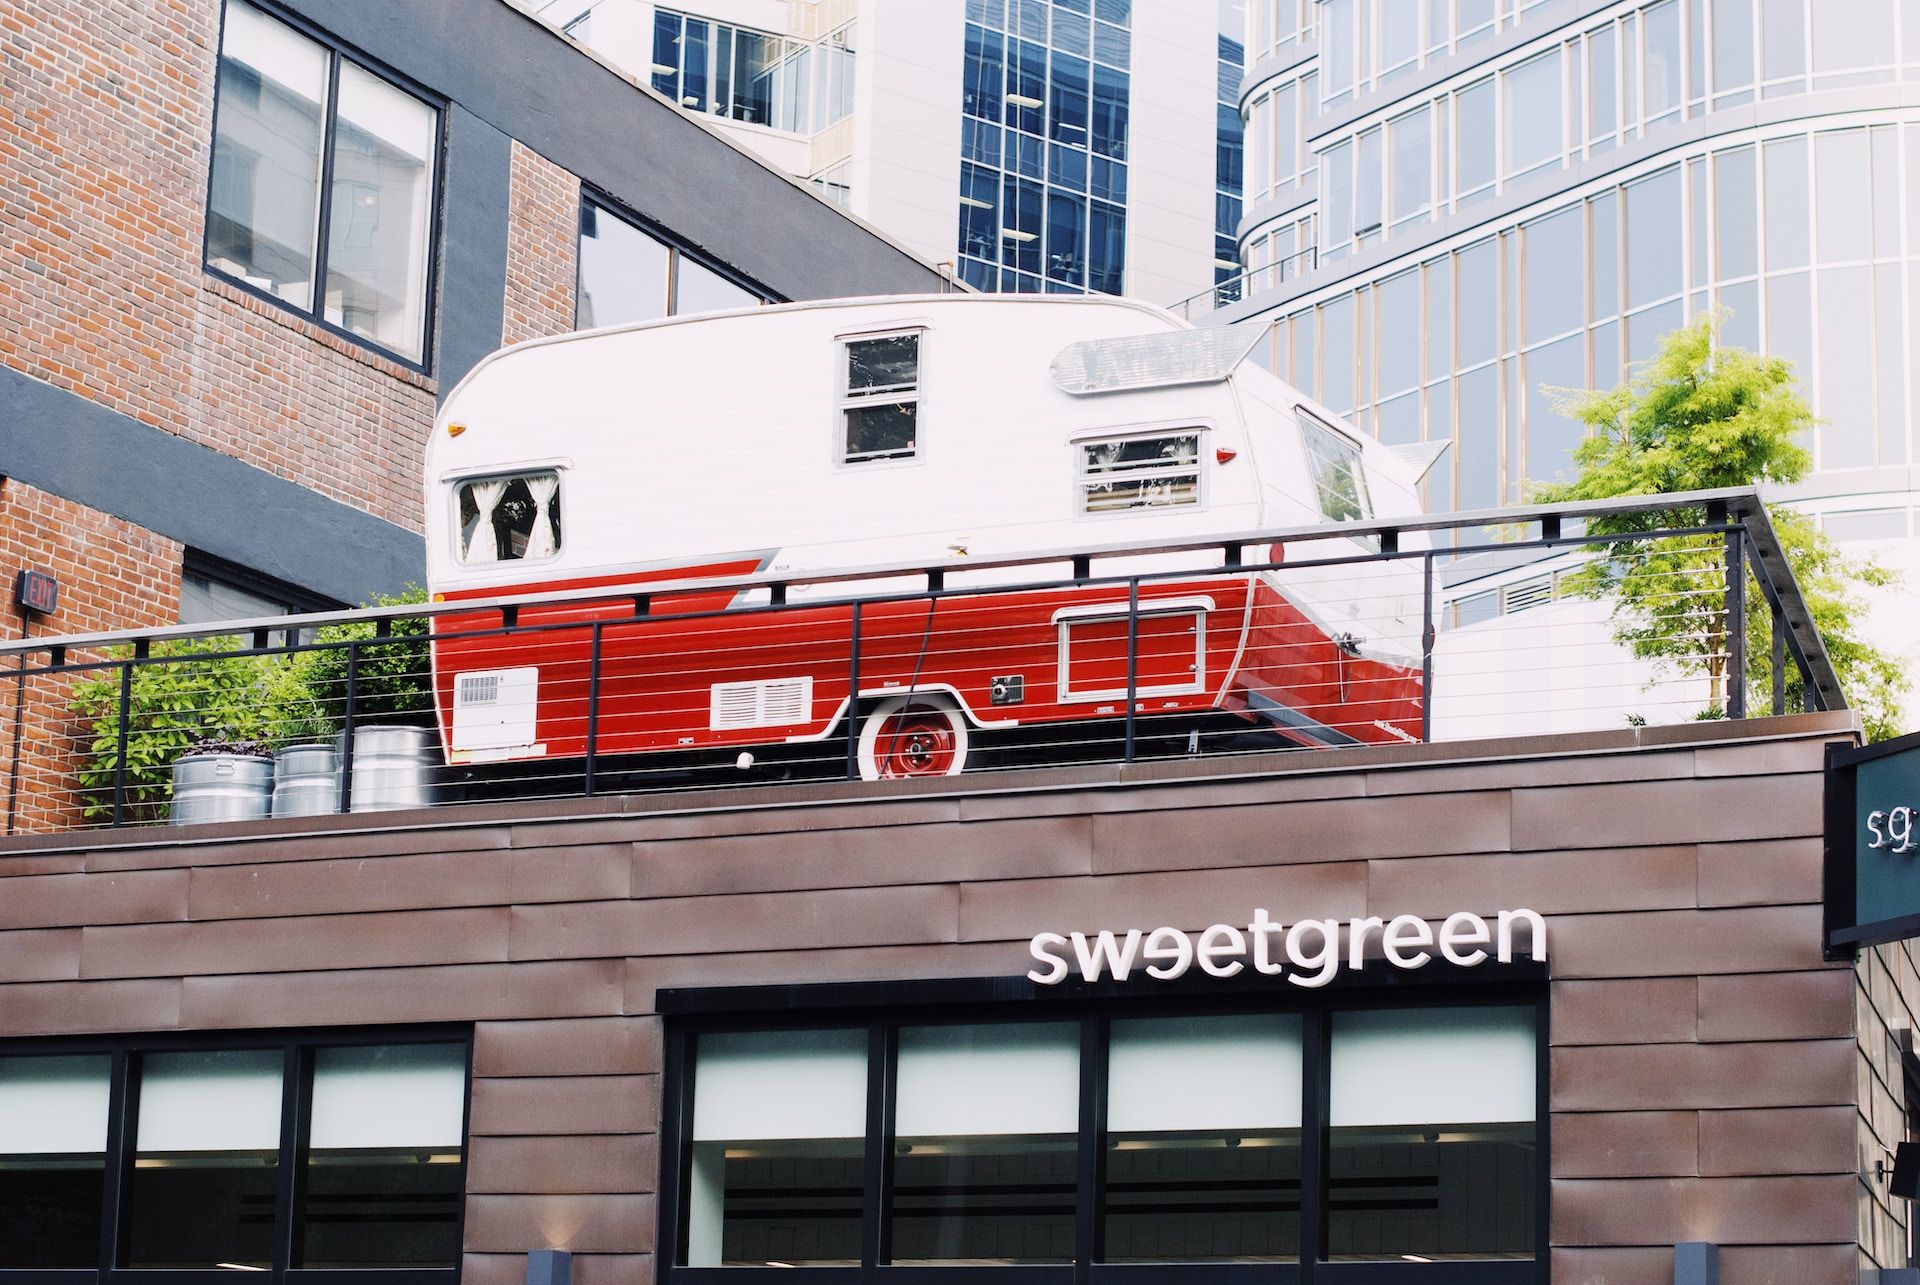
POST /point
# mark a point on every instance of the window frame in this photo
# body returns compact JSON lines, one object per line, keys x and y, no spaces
{"x":338,"y":50}
{"x":884,"y":1008}
{"x":297,"y":1048}
{"x":610,"y":207}
{"x":1198,"y":429}
{"x":844,"y":399}
{"x":537,"y":468}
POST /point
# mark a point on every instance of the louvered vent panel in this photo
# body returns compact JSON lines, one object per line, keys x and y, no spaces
{"x":479,"y":689}
{"x":783,"y":701}
{"x":1530,"y":593}
{"x":777,"y":702}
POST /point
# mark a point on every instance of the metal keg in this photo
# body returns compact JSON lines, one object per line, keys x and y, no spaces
{"x":393,"y":767}
{"x":221,"y":787}
{"x":306,"y":781}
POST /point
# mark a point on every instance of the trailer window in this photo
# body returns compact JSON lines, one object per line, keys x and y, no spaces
{"x":1334,"y":463}
{"x":509,"y":519}
{"x":1148,"y":472}
{"x":880,"y":401}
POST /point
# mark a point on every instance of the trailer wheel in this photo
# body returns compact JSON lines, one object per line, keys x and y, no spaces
{"x":913,"y":736}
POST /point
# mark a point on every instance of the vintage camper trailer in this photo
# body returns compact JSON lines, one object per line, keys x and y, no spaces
{"x":655,"y":459}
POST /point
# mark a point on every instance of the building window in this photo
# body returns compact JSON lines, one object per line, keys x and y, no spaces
{"x":627,"y":274}
{"x":880,"y":401}
{"x":266,"y":1153}
{"x":753,"y":76}
{"x":508,"y":519}
{"x":1150,"y":471}
{"x":213,"y":590}
{"x":1396,"y":1136}
{"x":322,"y":192}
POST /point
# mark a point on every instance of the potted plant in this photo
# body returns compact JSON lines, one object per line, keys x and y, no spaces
{"x":394,"y":747}
{"x":222,"y":778}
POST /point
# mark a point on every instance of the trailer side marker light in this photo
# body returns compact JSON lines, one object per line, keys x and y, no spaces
{"x":1225,"y":456}
{"x":454,"y":430}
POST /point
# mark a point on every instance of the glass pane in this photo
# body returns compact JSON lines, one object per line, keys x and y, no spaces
{"x":883,"y":365}
{"x":1141,"y":472}
{"x":1846,"y":368}
{"x":265,"y":202}
{"x":1734,"y":204}
{"x":1474,"y":134}
{"x":1067,"y":238}
{"x":383,"y":1166}
{"x":1786,"y":194}
{"x":623,"y":272}
{"x":1783,"y":44}
{"x":206,"y":1149}
{"x":1336,"y":354}
{"x":1412,"y":164}
{"x":701,"y":289}
{"x":1368,"y":178}
{"x":1439,"y":1164}
{"x":1552,"y":436}
{"x":1533,"y":114}
{"x":987,"y":1124}
{"x":1841,"y":182}
{"x":882,"y":432}
{"x":1551,"y":280}
{"x":1654,"y":250}
{"x":1334,"y":462}
{"x":1603,"y":101}
{"x":779,"y":1120}
{"x":380,"y":207}
{"x":1214,"y":1176}
{"x":1106,"y":248}
{"x":1397,"y":309}
{"x":53,"y":1142}
{"x":1732,"y":45}
{"x":1479,"y":304}
{"x":1662,"y":34}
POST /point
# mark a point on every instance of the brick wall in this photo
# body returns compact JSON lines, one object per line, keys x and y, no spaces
{"x":113,"y":575}
{"x":1703,"y":1056}
{"x":105,"y":150}
{"x":543,"y":237}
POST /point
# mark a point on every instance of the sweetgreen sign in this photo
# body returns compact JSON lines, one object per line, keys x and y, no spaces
{"x":1872,"y":844}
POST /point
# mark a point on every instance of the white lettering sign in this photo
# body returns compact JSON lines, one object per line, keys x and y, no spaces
{"x":1307,"y":952}
{"x":1894,"y":829}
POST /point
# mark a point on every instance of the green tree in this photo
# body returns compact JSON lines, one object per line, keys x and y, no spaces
{"x":1700,"y":416}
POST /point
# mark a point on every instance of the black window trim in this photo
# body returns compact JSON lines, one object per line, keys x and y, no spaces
{"x":882,"y":1008}
{"x":316,"y":315}
{"x":209,"y":566}
{"x":296,"y":1046}
{"x":676,"y":247}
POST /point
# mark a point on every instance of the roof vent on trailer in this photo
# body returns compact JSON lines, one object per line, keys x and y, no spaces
{"x":774,"y":702}
{"x":1168,"y":359}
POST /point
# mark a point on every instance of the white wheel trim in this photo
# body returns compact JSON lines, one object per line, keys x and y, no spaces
{"x":883,"y":710}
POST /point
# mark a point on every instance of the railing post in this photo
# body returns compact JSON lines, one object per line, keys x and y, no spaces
{"x":1736,"y":605}
{"x":853,"y":697}
{"x":1133,"y":662}
{"x":593,"y":708}
{"x":120,"y":758}
{"x":1426,"y":647}
{"x":346,"y":728}
{"x":1779,"y":662}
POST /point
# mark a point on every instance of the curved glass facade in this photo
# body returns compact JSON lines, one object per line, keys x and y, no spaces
{"x":1455,"y":207}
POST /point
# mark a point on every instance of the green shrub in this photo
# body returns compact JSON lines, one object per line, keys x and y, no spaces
{"x":393,"y":682}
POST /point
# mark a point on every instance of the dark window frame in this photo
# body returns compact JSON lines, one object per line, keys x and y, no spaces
{"x":676,"y":248}
{"x":882,"y":1008}
{"x":297,"y":1048}
{"x":209,"y":566}
{"x":337,"y":50}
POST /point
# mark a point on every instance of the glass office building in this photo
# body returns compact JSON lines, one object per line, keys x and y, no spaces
{"x":1454,"y":206}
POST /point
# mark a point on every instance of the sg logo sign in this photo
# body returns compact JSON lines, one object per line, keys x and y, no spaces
{"x":1894,"y":830}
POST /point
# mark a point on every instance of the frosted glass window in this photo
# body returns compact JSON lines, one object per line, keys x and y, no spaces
{"x":1203,"y":1120}
{"x":1732,"y":50}
{"x":1552,"y":436}
{"x":386,"y":1139}
{"x":1842,"y":51}
{"x":986,"y":1125}
{"x":1399,"y":33}
{"x":1603,"y":106}
{"x":1552,"y":277}
{"x":1661,"y":30}
{"x":207,"y":1144}
{"x":1783,"y":42}
{"x":1397,"y":304}
{"x":1432,"y":1139}
{"x":1846,"y":368}
{"x":1734,"y":203}
{"x":53,"y":1141}
{"x":1533,"y":114}
{"x":1339,"y":49}
{"x":1840,"y":179}
{"x":1479,"y":304}
{"x":1474,"y":138}
{"x":1786,"y":196}
{"x":1368,"y":178}
{"x":381,"y":209}
{"x":1605,"y":269}
{"x":265,"y":202}
{"x":1654,"y":255}
{"x":779,"y":1119}
{"x":1412,"y":147}
{"x":1286,"y":135}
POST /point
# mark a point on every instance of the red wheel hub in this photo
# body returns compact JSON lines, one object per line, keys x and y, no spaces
{"x":915,"y":742}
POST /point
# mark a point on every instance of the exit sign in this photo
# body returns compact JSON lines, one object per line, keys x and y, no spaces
{"x":36,"y":591}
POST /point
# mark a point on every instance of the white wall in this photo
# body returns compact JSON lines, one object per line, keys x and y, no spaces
{"x":906,"y":121}
{"x":1170,"y":149}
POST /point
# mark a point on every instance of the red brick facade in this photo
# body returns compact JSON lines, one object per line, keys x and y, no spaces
{"x":543,"y":236}
{"x":113,"y":575}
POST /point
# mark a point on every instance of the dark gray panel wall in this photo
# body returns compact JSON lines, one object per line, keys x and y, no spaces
{"x":473,"y":244}
{"x":63,"y":443}
{"x":527,"y":82}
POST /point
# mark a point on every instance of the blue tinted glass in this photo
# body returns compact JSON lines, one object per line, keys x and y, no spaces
{"x":666,"y":53}
{"x":693,"y":92}
{"x":1032,"y":19}
{"x":1067,"y":167}
{"x":1020,"y":283}
{"x":1072,"y":34}
{"x":1232,"y":67}
{"x":1109,"y":180}
{"x":1110,"y":44}
{"x":1027,"y":78}
{"x":1117,"y":11}
{"x":985,"y":85}
{"x":1067,"y":101}
{"x":1226,"y":213}
{"x":992,"y":13}
{"x":979,"y":141}
{"x":1066,"y":238}
{"x":979,"y":211}
{"x":1072,"y":6}
{"x":1020,"y":225}
{"x":1026,"y":153}
{"x":981,"y":276}
{"x":1107,"y":249}
{"x":1110,"y":112}
{"x":1231,"y":148}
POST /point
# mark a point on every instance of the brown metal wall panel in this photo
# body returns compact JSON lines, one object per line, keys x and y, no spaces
{"x":1634,"y":1010}
{"x":74,"y":1008}
{"x":1777,"y":1006}
{"x":597,"y":1046}
{"x":41,"y":954}
{"x":66,"y":900}
{"x":1681,"y":942}
{"x":563,"y":1165}
{"x":1797,"y":1140}
{"x":1017,"y":909}
{"x":563,"y":1104}
{"x":1721,"y":1211}
{"x":362,"y":996}
{"x":1703,"y":1076}
{"x":584,"y":872}
{"x":1549,"y":882}
{"x":1626,"y":1144}
{"x":593,"y":1224}
{"x":1704,"y":811}
{"x":419,"y":881}
{"x":395,"y":940}
{"x":1759,"y":873}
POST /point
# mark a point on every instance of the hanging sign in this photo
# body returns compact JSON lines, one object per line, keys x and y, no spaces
{"x":1872,"y":845}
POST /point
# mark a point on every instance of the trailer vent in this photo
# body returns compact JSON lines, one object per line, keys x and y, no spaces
{"x":775,"y":702}
{"x":479,"y":689}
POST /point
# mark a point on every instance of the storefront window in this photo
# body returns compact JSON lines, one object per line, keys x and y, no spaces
{"x":53,"y":1143}
{"x":986,"y":1129}
{"x":777,"y":1149}
{"x":1431,"y":1144}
